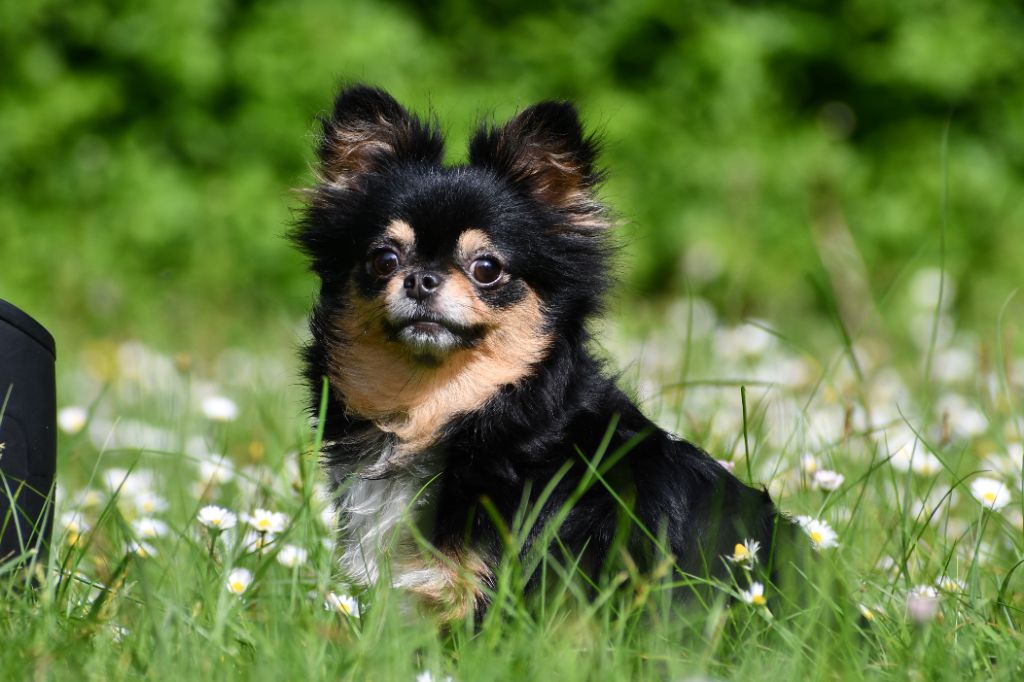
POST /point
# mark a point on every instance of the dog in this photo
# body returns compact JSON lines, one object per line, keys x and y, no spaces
{"x":451,"y":329}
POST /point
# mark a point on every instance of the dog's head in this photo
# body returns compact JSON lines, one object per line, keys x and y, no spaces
{"x":428,"y":269}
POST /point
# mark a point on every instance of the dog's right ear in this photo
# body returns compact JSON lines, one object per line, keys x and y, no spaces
{"x":370,"y":132}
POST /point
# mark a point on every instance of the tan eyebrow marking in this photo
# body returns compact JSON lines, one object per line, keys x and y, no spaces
{"x":401,"y":232}
{"x":472,"y":242}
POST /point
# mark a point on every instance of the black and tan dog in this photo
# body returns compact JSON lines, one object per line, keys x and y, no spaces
{"x":451,"y":325}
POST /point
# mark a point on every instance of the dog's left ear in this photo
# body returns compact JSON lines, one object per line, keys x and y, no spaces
{"x":544,"y":152}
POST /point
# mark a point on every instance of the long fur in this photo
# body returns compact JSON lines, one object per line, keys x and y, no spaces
{"x":530,"y":187}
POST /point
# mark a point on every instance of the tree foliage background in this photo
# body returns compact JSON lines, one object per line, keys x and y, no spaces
{"x":757,"y":150}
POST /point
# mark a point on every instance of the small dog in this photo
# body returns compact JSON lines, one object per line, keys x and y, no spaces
{"x":451,"y":326}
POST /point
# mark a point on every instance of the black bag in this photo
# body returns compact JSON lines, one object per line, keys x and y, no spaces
{"x":28,"y":432}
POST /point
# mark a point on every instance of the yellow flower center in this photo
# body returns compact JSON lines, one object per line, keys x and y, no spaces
{"x":869,"y":615}
{"x":214,"y":522}
{"x":817,"y":537}
{"x":344,"y":608}
{"x":740,"y":552}
{"x":758,"y":600}
{"x":989,"y":497}
{"x":237,"y":586}
{"x":263,"y":524}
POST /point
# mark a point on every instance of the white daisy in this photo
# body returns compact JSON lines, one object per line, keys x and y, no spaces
{"x":329,"y":517}
{"x":923,"y":604}
{"x":745,"y":555}
{"x":727,"y":464}
{"x":148,"y":502}
{"x":342,"y":603}
{"x":216,"y":518}
{"x":292,"y":556}
{"x":950,"y":585}
{"x":265,"y":521}
{"x":427,"y":676}
{"x":258,"y":542}
{"x":821,"y":534}
{"x":925,"y":464}
{"x":141,"y":549}
{"x":219,"y":408}
{"x":88,"y":497}
{"x":991,"y":493}
{"x":129,"y":484}
{"x":149,"y":528}
{"x":827,"y":480}
{"x":239,"y":580}
{"x":754,"y":595}
{"x":866,"y":612}
{"x":215,"y":469}
{"x":74,"y":525}
{"x":71,"y":420}
{"x":809,"y":464}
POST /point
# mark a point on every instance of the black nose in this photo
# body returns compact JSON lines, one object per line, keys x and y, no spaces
{"x":420,"y":285}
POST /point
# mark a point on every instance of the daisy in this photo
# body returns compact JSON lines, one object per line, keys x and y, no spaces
{"x":140,"y":549}
{"x":991,"y":493}
{"x":258,"y":542}
{"x":809,"y":464}
{"x":727,"y":464}
{"x":219,"y":408}
{"x":754,"y":595}
{"x":148,"y":502}
{"x":923,"y":604}
{"x":215,"y":470}
{"x":951,"y":585}
{"x":821,"y":534}
{"x":745,"y":555}
{"x":89,"y":497}
{"x":128,"y":484}
{"x":216,"y":518}
{"x":239,"y":580}
{"x":72,"y":419}
{"x":827,"y":480}
{"x":149,"y":528}
{"x":292,"y":556}
{"x":925,"y":464}
{"x":329,"y":517}
{"x":265,"y":521}
{"x":342,"y":603}
{"x":74,"y":526}
{"x":427,"y":676}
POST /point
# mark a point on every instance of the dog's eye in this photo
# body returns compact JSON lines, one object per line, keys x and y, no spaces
{"x":385,"y":262}
{"x":485,"y":270}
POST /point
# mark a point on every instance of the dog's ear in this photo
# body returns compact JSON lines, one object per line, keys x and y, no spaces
{"x":544,"y":152}
{"x":369,"y":132}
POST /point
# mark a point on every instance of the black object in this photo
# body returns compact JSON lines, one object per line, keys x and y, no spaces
{"x":28,"y":432}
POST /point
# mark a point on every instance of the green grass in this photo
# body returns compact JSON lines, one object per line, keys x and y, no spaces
{"x":94,"y":610}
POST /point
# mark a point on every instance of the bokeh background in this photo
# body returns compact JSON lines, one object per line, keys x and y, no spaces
{"x":796,"y":162}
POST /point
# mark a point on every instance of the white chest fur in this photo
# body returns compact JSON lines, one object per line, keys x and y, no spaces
{"x":386,"y":515}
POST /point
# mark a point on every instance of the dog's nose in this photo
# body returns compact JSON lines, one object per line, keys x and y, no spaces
{"x":420,"y":285}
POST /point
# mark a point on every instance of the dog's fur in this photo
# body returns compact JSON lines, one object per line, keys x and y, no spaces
{"x":466,"y":396}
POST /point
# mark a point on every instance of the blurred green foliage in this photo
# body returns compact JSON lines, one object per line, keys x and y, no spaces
{"x":148,"y":148}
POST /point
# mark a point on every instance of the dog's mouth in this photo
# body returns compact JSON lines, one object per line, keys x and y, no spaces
{"x":431,"y":337}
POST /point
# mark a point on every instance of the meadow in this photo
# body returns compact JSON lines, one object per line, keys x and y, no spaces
{"x":820,"y":208}
{"x":194,"y":534}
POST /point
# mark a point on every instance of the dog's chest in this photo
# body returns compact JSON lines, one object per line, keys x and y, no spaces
{"x":385,"y":518}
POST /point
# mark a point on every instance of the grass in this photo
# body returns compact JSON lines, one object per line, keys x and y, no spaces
{"x":924,"y":583}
